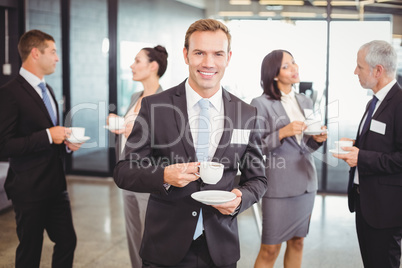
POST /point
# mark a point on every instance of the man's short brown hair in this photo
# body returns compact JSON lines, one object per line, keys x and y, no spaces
{"x":204,"y":25}
{"x":31,"y":39}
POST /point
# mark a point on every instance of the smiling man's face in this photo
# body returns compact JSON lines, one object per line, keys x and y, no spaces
{"x":207,"y":58}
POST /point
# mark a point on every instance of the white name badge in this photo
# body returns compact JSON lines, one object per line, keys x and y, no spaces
{"x":377,"y":126}
{"x":240,"y":136}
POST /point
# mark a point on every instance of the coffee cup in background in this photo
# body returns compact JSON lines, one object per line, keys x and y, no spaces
{"x":211,"y":172}
{"x":313,"y":124}
{"x":77,"y":132}
{"x":116,"y":122}
{"x":340,"y":144}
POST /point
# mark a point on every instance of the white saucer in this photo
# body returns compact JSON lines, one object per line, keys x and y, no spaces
{"x":109,"y":128}
{"x":213,"y":197}
{"x":335,"y":151}
{"x":78,"y":140}
{"x":316,"y":132}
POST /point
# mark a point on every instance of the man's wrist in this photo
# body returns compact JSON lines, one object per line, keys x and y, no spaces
{"x":234,"y":213}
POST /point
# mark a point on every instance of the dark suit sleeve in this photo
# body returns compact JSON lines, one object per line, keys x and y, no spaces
{"x":312,"y":144}
{"x":377,"y":162}
{"x":12,"y":145}
{"x":253,"y":181}
{"x":139,"y":172}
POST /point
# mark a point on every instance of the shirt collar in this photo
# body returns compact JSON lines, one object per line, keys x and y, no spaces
{"x":32,"y":79}
{"x":384,"y":91}
{"x":192,"y":98}
{"x":290,"y":95}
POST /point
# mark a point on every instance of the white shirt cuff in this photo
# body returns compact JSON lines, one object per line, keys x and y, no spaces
{"x":50,"y":136}
{"x":167,"y":186}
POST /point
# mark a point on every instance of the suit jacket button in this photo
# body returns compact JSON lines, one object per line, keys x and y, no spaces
{"x":194,"y":213}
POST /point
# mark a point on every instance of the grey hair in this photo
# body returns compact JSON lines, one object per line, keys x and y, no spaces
{"x":381,"y":53}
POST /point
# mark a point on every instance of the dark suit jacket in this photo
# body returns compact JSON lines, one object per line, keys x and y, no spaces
{"x":380,"y":166}
{"x":290,"y":164}
{"x":162,"y":136}
{"x":36,"y":166}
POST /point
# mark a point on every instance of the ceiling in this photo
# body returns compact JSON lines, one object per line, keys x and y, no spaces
{"x":307,"y":9}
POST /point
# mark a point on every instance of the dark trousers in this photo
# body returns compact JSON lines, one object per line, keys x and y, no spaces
{"x":197,"y":257}
{"x":380,"y":248}
{"x":52,"y":215}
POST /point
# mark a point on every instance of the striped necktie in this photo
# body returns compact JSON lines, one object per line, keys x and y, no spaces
{"x":202,"y":147}
{"x":369,"y":115}
{"x":47,"y":102}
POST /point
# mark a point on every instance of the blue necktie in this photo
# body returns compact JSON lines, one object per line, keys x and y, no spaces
{"x":202,"y":147}
{"x":369,"y":115}
{"x":47,"y":102}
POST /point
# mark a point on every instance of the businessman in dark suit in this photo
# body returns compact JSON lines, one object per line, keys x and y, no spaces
{"x":375,"y":181}
{"x":35,"y":146}
{"x":163,"y":154}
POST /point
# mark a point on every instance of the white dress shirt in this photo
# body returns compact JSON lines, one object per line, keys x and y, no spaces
{"x":216,"y":117}
{"x":34,"y":81}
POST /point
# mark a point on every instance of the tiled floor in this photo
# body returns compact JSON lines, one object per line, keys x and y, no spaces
{"x":98,"y":219}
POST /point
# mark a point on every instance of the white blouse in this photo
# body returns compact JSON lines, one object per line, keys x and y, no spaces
{"x":128,"y":119}
{"x":292,"y":110}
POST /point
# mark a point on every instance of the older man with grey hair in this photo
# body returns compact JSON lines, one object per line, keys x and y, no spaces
{"x":375,"y":181}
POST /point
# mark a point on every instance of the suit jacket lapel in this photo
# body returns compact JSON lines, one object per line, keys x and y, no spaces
{"x":280,"y":112}
{"x":133,"y":101}
{"x":32,"y":92}
{"x":387,"y":98}
{"x":365,"y":113}
{"x":302,"y":103}
{"x":379,"y":110}
{"x":181,"y":119}
{"x":230,"y":114}
{"x":55,"y":102}
{"x":135,"y":98}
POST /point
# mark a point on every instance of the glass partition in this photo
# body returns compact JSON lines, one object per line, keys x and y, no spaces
{"x":89,"y":49}
{"x":347,"y":99}
{"x":45,"y":15}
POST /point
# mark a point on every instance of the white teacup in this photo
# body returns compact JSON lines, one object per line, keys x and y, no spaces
{"x":77,"y":132}
{"x":211,"y":172}
{"x":116,"y":122}
{"x":340,"y":144}
{"x":313,"y":125}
